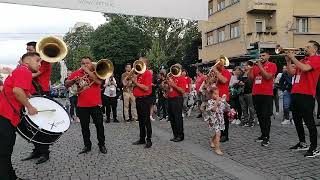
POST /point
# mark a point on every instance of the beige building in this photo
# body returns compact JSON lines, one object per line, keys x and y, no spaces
{"x":234,"y":25}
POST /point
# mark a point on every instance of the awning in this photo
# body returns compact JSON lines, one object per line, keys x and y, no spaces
{"x":187,"y":9}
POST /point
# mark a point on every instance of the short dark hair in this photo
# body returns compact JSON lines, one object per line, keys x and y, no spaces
{"x":32,"y":43}
{"x":265,"y":51}
{"x":315,"y":44}
{"x":29,"y":54}
{"x":128,"y":64}
{"x":86,"y":57}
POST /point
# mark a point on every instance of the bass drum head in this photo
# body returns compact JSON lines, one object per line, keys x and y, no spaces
{"x":56,"y":122}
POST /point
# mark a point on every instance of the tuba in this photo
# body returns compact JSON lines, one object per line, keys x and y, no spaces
{"x":103,"y":69}
{"x":52,"y":49}
{"x":175,"y":70}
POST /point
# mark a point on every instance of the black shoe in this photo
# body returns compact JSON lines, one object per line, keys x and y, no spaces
{"x":148,"y":144}
{"x":103,"y":149}
{"x":116,"y":121}
{"x":172,"y":139}
{"x":199,"y":116}
{"x":31,"y":156}
{"x":259,"y":139}
{"x":265,"y":142}
{"x":300,"y":146}
{"x":42,"y":159}
{"x":178,"y":139}
{"x":108,"y":121}
{"x":139,"y":142}
{"x":128,"y":121}
{"x":224,"y":139}
{"x":85,"y":150}
{"x":312,"y":153}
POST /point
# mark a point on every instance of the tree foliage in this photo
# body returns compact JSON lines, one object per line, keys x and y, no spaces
{"x":55,"y":73}
{"x":119,"y":42}
{"x":78,"y":43}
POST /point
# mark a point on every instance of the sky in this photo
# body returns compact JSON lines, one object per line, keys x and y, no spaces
{"x":20,"y":24}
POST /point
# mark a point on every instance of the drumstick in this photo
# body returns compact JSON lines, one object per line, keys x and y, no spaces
{"x":47,"y":110}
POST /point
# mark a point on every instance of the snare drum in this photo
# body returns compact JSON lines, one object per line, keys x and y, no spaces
{"x":45,"y":127}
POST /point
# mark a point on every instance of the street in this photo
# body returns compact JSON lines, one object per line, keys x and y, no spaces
{"x":190,"y":159}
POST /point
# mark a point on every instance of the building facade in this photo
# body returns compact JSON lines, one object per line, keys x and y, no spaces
{"x":234,"y":27}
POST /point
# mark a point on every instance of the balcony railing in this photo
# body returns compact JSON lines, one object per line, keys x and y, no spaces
{"x":261,"y":37}
{"x":257,"y":6}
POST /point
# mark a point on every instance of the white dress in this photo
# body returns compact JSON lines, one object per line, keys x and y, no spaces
{"x":214,"y":114}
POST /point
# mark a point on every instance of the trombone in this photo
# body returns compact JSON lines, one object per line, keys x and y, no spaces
{"x":103,"y":69}
{"x":281,"y":51}
{"x":52,"y":49}
{"x":138,"y":67}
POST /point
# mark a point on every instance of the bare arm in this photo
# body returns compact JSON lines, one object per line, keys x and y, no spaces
{"x":179,"y":89}
{"x":250,"y":73}
{"x":22,"y":98}
{"x":264,"y":73}
{"x":300,"y":65}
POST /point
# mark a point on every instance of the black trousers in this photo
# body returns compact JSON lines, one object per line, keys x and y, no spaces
{"x":162,"y":106}
{"x":84,"y":115}
{"x":108,"y":104}
{"x":7,"y":141}
{"x":225,"y":132}
{"x":73,"y":104}
{"x":302,"y":108}
{"x":175,"y":106}
{"x":263,"y":104}
{"x":143,"y":105}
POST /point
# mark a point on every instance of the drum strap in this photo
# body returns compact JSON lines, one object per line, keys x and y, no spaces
{"x":5,"y":96}
{"x":37,"y":86}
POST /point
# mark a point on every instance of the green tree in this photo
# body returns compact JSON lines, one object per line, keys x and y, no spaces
{"x":157,"y":56}
{"x":78,"y":43}
{"x":55,"y":73}
{"x":119,"y":42}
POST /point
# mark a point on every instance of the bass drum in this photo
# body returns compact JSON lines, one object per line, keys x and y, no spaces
{"x":46,"y":127}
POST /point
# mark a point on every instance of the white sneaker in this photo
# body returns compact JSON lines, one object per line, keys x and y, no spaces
{"x":151,"y":118}
{"x":234,"y":121}
{"x":238,"y":122}
{"x":183,"y":115}
{"x":285,"y":122}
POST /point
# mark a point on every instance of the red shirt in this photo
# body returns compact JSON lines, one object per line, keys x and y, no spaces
{"x":44,"y":78}
{"x":306,"y":82}
{"x":224,"y":87}
{"x":89,"y":97}
{"x":199,"y":81}
{"x":260,"y":85}
{"x":188,"y":83}
{"x":180,"y":82}
{"x":145,"y":79}
{"x":21,"y":77}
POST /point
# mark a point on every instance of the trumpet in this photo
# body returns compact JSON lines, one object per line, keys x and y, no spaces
{"x":281,"y":51}
{"x":103,"y":69}
{"x":138,"y":67}
{"x":252,"y":62}
{"x":52,"y":49}
{"x":223,"y":60}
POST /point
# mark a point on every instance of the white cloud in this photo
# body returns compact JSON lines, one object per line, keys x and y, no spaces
{"x":20,"y":24}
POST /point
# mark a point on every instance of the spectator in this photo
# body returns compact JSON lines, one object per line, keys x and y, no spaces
{"x":110,"y":99}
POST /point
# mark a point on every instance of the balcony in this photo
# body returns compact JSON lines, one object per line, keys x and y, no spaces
{"x":261,"y":6}
{"x":267,"y":37}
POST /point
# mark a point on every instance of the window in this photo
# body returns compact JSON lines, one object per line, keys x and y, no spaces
{"x":210,"y":7}
{"x":302,"y":24}
{"x":260,"y":27}
{"x":234,"y":30}
{"x":221,"y":5}
{"x":221,"y":36}
{"x":210,"y":38}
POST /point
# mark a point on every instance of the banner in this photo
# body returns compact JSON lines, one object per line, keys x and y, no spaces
{"x":187,"y":9}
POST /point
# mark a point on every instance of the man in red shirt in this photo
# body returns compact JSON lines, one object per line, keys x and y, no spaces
{"x":177,"y":87}
{"x":40,"y":86}
{"x":89,"y":102}
{"x":262,"y":75}
{"x":223,"y":79}
{"x":186,"y":109}
{"x":142,"y":91}
{"x":13,"y":97}
{"x":304,"y":83}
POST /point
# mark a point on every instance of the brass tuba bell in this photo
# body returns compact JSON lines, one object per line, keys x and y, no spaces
{"x":104,"y":68}
{"x":139,"y":67}
{"x":52,"y":49}
{"x":175,"y":70}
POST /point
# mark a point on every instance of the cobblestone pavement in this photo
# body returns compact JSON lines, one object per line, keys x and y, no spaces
{"x":190,"y":159}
